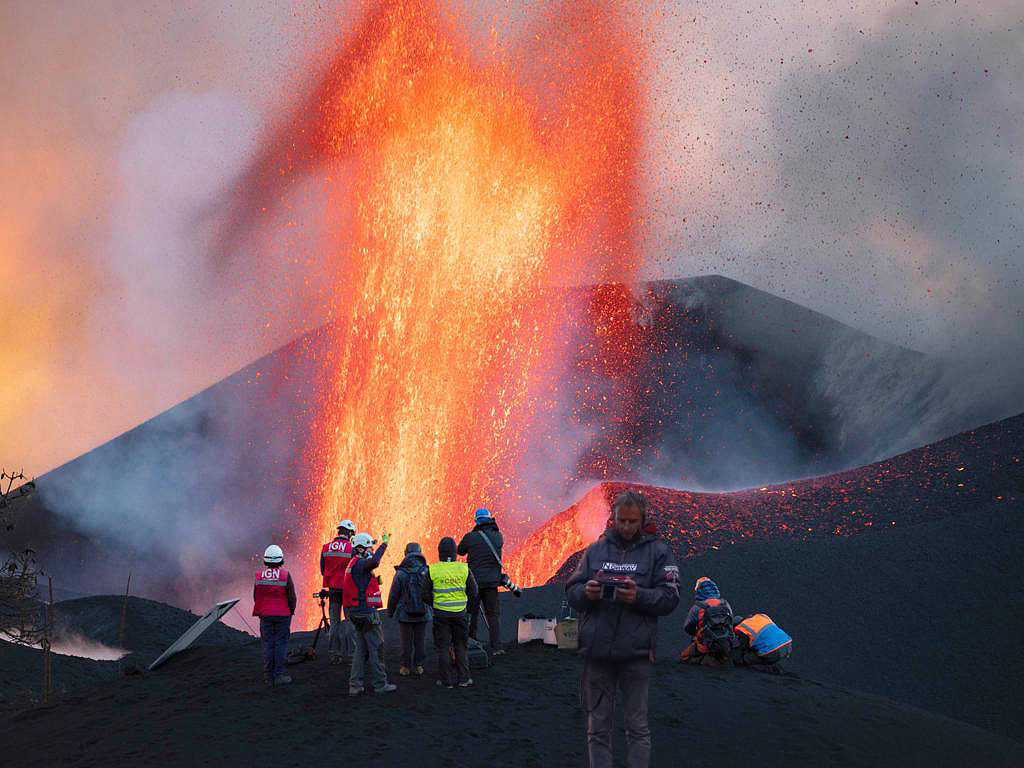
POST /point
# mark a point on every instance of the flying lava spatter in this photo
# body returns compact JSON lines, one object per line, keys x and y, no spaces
{"x":478,"y":178}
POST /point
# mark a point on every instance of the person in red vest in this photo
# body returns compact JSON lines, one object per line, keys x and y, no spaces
{"x":362,"y":602}
{"x":334,"y":559}
{"x":273,"y":600}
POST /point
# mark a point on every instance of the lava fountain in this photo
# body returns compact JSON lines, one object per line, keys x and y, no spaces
{"x":478,"y":178}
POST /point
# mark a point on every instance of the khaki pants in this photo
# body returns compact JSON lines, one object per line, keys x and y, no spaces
{"x":633,"y":679}
{"x":369,"y":647}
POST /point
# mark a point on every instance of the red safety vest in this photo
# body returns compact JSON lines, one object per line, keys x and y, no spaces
{"x":336,"y":554}
{"x":271,"y":593}
{"x":350,"y":598}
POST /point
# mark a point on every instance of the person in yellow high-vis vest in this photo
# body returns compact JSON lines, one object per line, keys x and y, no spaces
{"x":449,"y":588}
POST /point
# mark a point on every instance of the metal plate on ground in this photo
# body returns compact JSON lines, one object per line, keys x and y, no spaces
{"x":193,"y":632}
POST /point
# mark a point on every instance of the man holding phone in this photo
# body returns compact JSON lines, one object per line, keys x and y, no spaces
{"x":626,"y":579}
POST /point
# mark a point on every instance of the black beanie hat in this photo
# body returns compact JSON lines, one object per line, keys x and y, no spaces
{"x":446,"y":548}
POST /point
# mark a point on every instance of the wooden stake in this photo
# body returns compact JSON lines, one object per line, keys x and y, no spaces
{"x":47,"y":631}
{"x":124,"y":614}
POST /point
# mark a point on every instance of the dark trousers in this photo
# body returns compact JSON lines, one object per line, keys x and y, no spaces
{"x":749,"y":658}
{"x":492,"y":610}
{"x":633,"y":679}
{"x":412,"y":635}
{"x":274,"y":634}
{"x":451,"y":630}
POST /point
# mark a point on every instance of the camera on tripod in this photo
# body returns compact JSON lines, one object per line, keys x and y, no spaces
{"x":510,"y":585}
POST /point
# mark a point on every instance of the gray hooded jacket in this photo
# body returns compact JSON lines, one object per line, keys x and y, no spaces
{"x":613,"y":631}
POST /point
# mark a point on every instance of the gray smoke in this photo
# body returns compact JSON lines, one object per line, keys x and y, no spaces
{"x":862,"y":162}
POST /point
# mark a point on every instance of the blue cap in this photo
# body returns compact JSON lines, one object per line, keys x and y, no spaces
{"x":482,"y":513}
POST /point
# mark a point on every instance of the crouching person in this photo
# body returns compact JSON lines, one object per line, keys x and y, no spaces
{"x":761,"y":643}
{"x":710,"y":623}
{"x":273,"y":600}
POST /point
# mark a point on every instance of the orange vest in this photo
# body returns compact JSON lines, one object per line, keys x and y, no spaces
{"x":350,"y":598}
{"x":764,"y":634}
{"x":271,"y":593}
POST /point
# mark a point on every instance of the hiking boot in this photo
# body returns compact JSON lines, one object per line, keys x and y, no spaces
{"x":404,"y":671}
{"x":466,"y":683}
{"x":418,"y":671}
{"x":442,"y":684}
{"x":282,"y":680}
{"x":386,"y":688}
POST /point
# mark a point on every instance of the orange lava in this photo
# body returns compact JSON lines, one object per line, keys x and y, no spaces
{"x":477,"y":179}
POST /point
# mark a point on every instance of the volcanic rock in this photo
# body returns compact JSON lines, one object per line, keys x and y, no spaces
{"x":879,"y":620}
{"x":975,"y":469}
{"x":735,"y":387}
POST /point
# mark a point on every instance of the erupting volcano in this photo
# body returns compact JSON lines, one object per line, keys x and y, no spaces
{"x":476,"y":181}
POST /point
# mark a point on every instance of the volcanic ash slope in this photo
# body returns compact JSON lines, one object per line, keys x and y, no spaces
{"x":208,"y":707}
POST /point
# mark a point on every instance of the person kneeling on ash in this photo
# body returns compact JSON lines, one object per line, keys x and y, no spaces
{"x":710,"y":622}
{"x":761,"y":643}
{"x":273,"y":600}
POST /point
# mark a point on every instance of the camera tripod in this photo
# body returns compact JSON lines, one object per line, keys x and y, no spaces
{"x":325,"y":623}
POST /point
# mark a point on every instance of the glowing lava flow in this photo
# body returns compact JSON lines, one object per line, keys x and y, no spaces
{"x":965,"y":473}
{"x":472,"y":192}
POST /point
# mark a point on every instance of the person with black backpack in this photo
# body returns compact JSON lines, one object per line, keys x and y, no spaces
{"x":405,"y":602}
{"x":710,"y":623}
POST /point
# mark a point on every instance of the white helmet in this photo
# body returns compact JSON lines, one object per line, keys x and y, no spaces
{"x":363,"y":540}
{"x":273,"y":555}
{"x":347,"y":525}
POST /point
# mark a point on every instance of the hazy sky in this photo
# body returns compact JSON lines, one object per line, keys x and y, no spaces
{"x":859,"y":158}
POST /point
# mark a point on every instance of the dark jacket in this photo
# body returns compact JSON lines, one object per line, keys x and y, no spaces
{"x":613,"y":631}
{"x":412,"y":563}
{"x":362,"y":572}
{"x":472,"y":592}
{"x":705,"y":591}
{"x":486,"y":570}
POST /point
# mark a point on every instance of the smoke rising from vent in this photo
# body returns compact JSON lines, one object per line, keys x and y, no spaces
{"x":860,"y":162}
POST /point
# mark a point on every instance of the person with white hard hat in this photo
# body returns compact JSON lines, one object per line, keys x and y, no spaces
{"x":273,"y":600}
{"x":363,"y":602}
{"x":334,"y":559}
